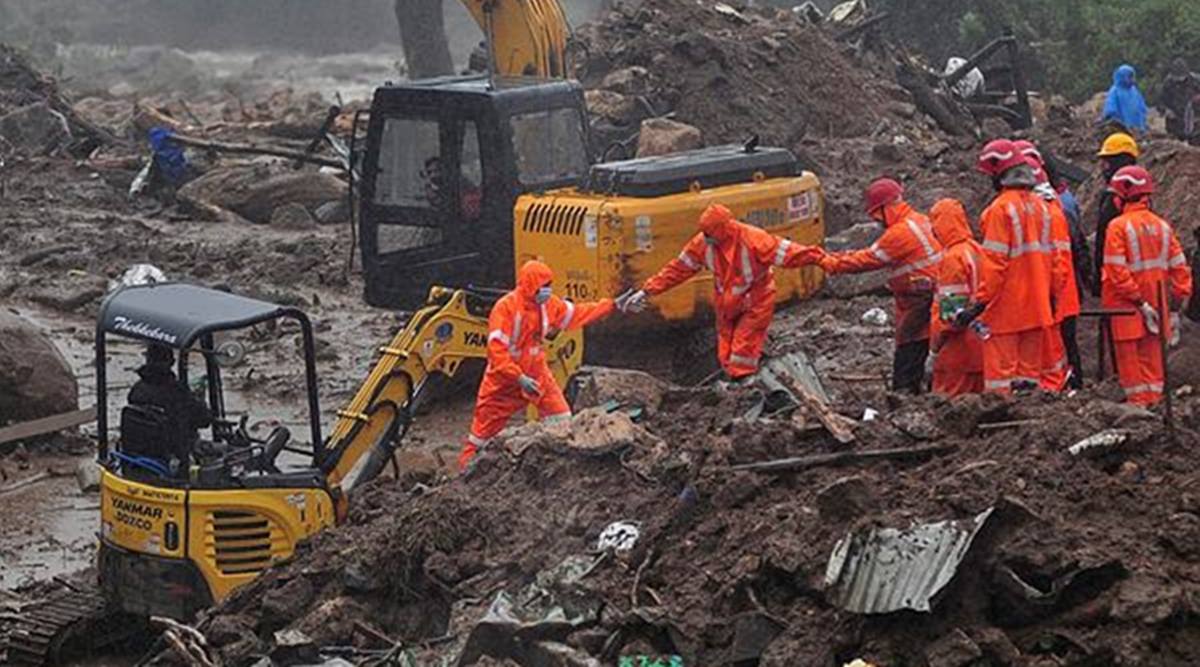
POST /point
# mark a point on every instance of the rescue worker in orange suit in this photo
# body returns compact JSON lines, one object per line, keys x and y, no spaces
{"x":910,"y":252}
{"x":1142,"y":262}
{"x":1019,"y":278}
{"x":958,"y":353}
{"x":517,"y":374}
{"x":1056,"y":370}
{"x":742,"y":259}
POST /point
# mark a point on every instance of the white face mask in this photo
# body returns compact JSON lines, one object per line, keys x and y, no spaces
{"x":543,"y":294}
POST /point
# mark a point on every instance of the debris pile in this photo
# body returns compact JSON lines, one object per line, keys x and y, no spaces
{"x":669,"y":538}
{"x":736,"y":73}
{"x":78,"y":172}
{"x":35,"y":119}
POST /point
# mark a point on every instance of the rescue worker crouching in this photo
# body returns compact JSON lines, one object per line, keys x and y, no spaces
{"x":741,"y":258}
{"x":1143,"y":260}
{"x":910,"y":251}
{"x":1014,"y":297}
{"x":958,"y":352}
{"x":517,"y":374}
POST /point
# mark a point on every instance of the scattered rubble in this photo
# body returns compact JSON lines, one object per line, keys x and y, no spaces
{"x":730,"y":564}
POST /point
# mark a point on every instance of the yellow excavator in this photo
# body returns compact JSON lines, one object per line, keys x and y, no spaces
{"x":458,"y":180}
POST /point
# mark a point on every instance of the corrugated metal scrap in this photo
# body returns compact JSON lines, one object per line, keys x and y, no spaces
{"x":884,"y":569}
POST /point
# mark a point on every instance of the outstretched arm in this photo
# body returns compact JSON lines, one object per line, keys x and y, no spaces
{"x":686,"y":265}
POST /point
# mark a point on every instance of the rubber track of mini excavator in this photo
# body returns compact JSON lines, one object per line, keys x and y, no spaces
{"x":41,"y":629}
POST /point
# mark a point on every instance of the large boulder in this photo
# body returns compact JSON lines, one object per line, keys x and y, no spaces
{"x":254,"y":192}
{"x":628,"y":81}
{"x":661,"y":136}
{"x":615,"y":107}
{"x":35,"y":379}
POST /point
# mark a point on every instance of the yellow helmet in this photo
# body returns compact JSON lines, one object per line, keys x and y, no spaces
{"x":1118,"y":143}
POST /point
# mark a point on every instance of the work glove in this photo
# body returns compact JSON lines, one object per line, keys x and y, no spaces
{"x":1150,"y":317}
{"x":964,"y":317}
{"x":1176,"y":326}
{"x":529,"y":385}
{"x":633,"y":302}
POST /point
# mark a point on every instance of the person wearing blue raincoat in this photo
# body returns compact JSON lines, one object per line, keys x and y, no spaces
{"x":1125,"y":104}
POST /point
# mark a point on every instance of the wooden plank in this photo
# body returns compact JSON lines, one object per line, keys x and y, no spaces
{"x":36,"y":427}
{"x":841,"y":428}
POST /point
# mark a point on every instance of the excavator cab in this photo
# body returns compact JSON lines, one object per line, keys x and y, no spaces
{"x":184,"y":522}
{"x":444,"y":162}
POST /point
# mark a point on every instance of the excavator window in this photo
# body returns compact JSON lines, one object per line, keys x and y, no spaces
{"x":550,"y":146}
{"x":403,"y":181}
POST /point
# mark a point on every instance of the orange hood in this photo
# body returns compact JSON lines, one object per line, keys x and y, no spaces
{"x":718,"y":222}
{"x":950,"y":223}
{"x":533,"y":276}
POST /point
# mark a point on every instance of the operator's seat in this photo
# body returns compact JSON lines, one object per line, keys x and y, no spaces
{"x":149,"y":433}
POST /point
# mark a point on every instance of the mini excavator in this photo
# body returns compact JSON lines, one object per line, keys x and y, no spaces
{"x":183,"y":525}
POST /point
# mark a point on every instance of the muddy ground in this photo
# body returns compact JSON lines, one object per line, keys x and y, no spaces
{"x":729,"y":567}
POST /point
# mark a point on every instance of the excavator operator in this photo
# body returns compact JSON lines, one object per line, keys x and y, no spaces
{"x":157,"y":387}
{"x":470,"y":197}
{"x":517,"y":374}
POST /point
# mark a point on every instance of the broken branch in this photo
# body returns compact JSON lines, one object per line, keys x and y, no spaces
{"x":798,"y":463}
{"x":995,"y":426}
{"x":254,"y":149}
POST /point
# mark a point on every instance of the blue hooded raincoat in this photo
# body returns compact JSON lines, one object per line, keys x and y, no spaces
{"x":1125,"y":103}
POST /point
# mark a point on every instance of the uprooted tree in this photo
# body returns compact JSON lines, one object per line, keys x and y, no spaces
{"x":423,"y":38}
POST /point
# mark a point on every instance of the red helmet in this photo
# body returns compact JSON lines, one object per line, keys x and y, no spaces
{"x":1131,"y":182}
{"x":1028,"y":149}
{"x":998,"y":156}
{"x":880,"y":193}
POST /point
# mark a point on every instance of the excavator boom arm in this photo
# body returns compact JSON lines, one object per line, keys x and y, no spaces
{"x":450,"y":329}
{"x":525,"y":37}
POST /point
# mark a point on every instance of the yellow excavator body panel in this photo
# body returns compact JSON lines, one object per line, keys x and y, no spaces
{"x":227,"y":536}
{"x":601,"y":245}
{"x":235,"y":534}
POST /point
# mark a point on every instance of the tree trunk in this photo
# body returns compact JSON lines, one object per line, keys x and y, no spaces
{"x":423,"y":38}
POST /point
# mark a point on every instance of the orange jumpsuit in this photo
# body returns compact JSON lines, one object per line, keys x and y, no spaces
{"x":911,"y":252}
{"x":1018,"y":278}
{"x":517,"y":329}
{"x":958,"y":366}
{"x":1066,"y":299}
{"x":1141,"y":252}
{"x":741,"y":261}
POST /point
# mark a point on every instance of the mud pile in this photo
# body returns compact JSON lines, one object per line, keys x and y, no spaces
{"x":1084,"y":559}
{"x":735,"y":73}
